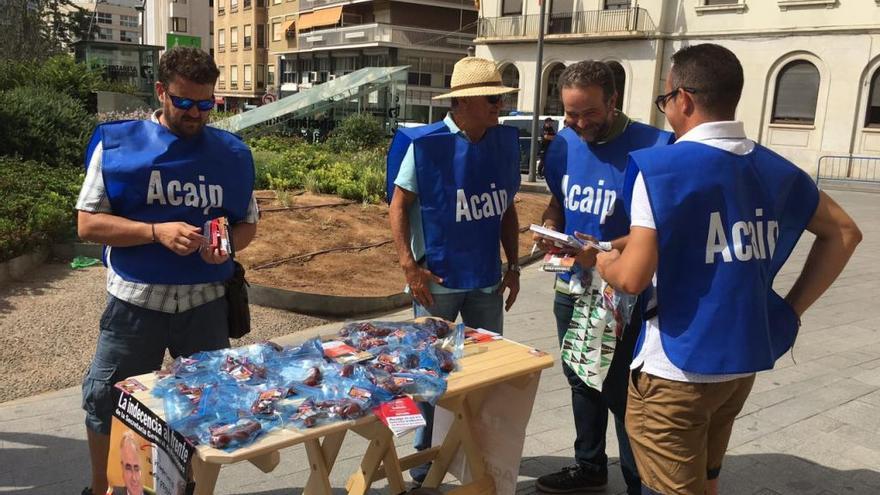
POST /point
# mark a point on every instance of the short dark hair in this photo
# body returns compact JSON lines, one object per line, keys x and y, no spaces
{"x":192,"y":64}
{"x":714,"y":72}
{"x":589,"y":73}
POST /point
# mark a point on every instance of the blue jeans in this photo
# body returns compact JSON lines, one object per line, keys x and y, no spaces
{"x":590,"y":407}
{"x":478,"y":310}
{"x":133,"y":342}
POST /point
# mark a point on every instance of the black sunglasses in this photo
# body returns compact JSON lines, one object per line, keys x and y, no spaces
{"x":494,"y":99}
{"x":662,"y":100}
{"x":186,"y":103}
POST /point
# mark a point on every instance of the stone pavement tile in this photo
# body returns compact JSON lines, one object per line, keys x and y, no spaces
{"x":777,"y":378}
{"x":872,"y":399}
{"x":784,"y":439}
{"x":858,"y":413}
{"x":809,"y":404}
{"x":809,"y":384}
{"x":749,"y":428}
{"x":785,"y":474}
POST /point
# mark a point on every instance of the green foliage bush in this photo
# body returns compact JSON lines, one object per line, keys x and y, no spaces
{"x":40,"y":124}
{"x":357,"y":132}
{"x":37,"y":207}
{"x":61,"y":74}
{"x":358,"y":175}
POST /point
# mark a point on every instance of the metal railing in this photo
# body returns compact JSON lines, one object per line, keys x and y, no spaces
{"x":305,"y":5}
{"x":849,"y":168}
{"x":383,"y":33}
{"x":590,"y":22}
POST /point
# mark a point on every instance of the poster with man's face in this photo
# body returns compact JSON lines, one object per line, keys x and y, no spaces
{"x":131,"y":460}
{"x":146,"y":457}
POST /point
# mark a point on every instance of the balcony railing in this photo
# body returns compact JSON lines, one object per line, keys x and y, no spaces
{"x":384,"y":33}
{"x":306,"y":5}
{"x":591,"y":22}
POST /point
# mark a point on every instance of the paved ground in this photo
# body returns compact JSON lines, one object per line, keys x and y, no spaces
{"x":811,"y":427}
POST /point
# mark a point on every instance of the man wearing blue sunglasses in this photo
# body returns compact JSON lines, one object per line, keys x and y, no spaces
{"x":150,"y":187}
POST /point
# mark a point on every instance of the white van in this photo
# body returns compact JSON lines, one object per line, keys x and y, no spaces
{"x":523,"y":123}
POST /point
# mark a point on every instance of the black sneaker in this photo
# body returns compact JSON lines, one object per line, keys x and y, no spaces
{"x":573,"y":479}
{"x":87,"y":491}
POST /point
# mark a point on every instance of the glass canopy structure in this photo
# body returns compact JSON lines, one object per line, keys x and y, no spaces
{"x":380,"y":91}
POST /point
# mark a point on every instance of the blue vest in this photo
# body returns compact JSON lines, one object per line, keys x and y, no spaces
{"x":464,"y":190}
{"x":587,"y":179}
{"x":151,"y":175}
{"x":725,"y":226}
{"x":399,"y":146}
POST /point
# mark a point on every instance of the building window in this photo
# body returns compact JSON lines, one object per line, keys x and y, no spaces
{"x":104,"y":17}
{"x":261,"y":76}
{"x":720,"y":2}
{"x":233,"y":37}
{"x":211,"y":28}
{"x":552,"y":102}
{"x":233,"y":77}
{"x":261,"y":36}
{"x":248,"y":36}
{"x":270,"y":75}
{"x":511,"y":7}
{"x":248,"y":76}
{"x":178,"y":24}
{"x":128,"y":20}
{"x":105,"y":34}
{"x":419,"y":78}
{"x":261,"y":4}
{"x":616,"y":4}
{"x":247,"y":4}
{"x":872,"y":118}
{"x":221,"y":38}
{"x":797,"y":91}
{"x":233,"y":5}
{"x":288,"y":71}
{"x":221,"y":79}
{"x":221,"y":6}
{"x":127,"y":36}
{"x":276,"y":30}
{"x":276,"y":2}
{"x":179,"y":1}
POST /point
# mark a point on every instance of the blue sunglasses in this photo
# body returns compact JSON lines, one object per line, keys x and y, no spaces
{"x":186,"y":103}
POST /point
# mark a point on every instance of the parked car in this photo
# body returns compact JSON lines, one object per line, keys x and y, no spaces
{"x":523,"y":123}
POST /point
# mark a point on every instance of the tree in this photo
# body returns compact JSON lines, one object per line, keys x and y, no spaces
{"x":37,"y":29}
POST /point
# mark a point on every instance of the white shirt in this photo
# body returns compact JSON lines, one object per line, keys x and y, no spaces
{"x":729,"y":136}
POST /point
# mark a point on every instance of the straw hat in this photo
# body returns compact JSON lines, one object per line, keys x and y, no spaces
{"x":474,"y":76}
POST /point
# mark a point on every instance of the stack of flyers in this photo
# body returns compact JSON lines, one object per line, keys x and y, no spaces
{"x":400,"y":415}
{"x":480,"y":335}
{"x":562,"y":240}
{"x":219,"y":235}
{"x":558,"y":263}
{"x":343,"y":353}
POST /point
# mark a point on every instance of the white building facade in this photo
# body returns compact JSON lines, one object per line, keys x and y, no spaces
{"x":113,"y":20}
{"x":812,"y":67}
{"x":183,"y":17}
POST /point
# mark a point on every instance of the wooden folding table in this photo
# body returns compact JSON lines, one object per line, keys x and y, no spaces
{"x":483,"y":366}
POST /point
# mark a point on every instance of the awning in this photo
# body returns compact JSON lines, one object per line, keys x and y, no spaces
{"x":290,"y":28}
{"x":318,"y":18}
{"x":219,"y":100}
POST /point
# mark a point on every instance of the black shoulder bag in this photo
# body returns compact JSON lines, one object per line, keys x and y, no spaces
{"x":237,"y":299}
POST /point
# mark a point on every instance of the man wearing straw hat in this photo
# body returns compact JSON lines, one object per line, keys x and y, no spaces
{"x":452,"y":203}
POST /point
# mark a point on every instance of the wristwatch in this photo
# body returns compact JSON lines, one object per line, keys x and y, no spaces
{"x":514,"y":267}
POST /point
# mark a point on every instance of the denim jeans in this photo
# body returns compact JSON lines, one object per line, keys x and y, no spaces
{"x":133,"y":341}
{"x":478,"y":310}
{"x":590,"y":407}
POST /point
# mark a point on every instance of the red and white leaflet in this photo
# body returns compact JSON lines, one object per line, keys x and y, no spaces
{"x":480,"y":335}
{"x":336,"y":348}
{"x":400,"y":415}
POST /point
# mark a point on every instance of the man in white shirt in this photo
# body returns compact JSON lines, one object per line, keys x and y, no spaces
{"x":714,"y":217}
